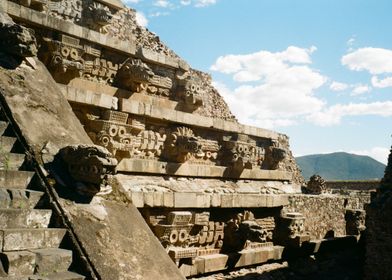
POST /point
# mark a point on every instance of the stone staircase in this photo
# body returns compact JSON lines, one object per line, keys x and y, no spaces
{"x":29,"y":248}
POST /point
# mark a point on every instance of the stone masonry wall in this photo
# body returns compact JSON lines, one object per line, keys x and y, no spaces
{"x":353,"y":185}
{"x":325,"y":213}
{"x":378,"y":261}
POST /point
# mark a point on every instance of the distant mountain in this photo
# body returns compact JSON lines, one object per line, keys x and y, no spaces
{"x":341,"y":166}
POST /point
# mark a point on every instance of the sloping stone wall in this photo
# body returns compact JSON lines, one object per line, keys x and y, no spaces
{"x":325,"y":214}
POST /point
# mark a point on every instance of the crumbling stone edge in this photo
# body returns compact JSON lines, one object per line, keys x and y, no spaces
{"x":40,"y":171}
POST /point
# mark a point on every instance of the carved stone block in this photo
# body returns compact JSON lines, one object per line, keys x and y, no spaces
{"x":290,"y":230}
{"x":241,"y":152}
{"x":355,"y":221}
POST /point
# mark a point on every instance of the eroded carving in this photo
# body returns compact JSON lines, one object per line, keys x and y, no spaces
{"x":243,"y":230}
{"x":190,"y":92}
{"x":89,"y":166}
{"x":316,"y":185}
{"x":355,"y":221}
{"x":69,"y":58}
{"x":290,"y":229}
{"x":137,"y":76}
{"x":275,"y":155}
{"x":39,"y":5}
{"x":97,"y":16}
{"x":65,"y":56}
{"x":185,"y":234}
{"x":70,"y":10}
{"x":16,"y":39}
{"x":124,"y":136}
{"x":181,"y":145}
{"x":241,"y":152}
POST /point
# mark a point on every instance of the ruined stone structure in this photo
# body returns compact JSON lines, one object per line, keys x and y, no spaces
{"x":149,"y":171}
{"x":379,"y":230}
{"x":316,"y":185}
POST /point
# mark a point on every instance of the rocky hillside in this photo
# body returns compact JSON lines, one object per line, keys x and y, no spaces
{"x":341,"y":166}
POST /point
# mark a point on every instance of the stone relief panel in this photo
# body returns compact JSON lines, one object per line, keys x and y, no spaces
{"x":192,"y":88}
{"x":136,"y":76}
{"x":128,"y":136}
{"x":68,"y":58}
{"x":188,"y":234}
{"x":241,"y":152}
{"x":125,"y":137}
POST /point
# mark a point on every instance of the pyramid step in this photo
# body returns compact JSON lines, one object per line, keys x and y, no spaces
{"x":11,"y":161}
{"x":66,"y":275}
{"x":19,"y":199}
{"x":26,"y":239}
{"x":3,"y":127}
{"x":6,"y":143}
{"x":15,"y":179}
{"x":24,"y":218}
{"x":18,"y":263}
{"x":52,"y":260}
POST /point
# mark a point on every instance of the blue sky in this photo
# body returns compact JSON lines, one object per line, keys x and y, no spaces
{"x":319,"y":71}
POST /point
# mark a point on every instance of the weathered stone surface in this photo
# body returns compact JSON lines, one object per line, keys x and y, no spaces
{"x":24,"y":239}
{"x":19,"y":263}
{"x":26,"y":218}
{"x":51,"y":260}
{"x":316,"y":185}
{"x":378,"y":259}
{"x":123,"y":246}
{"x":325,"y":215}
{"x":88,"y":165}
{"x":386,"y":182}
{"x":355,"y":221}
{"x":194,"y":170}
{"x":22,"y":199}
{"x":34,"y":100}
{"x":16,"y":39}
{"x":12,"y":179}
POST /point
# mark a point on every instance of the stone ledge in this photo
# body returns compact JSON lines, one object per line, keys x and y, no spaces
{"x":195,"y":170}
{"x":159,"y":109}
{"x":159,"y":112}
{"x":89,"y":97}
{"x":180,"y":200}
{"x":219,"y":262}
{"x":113,"y":3}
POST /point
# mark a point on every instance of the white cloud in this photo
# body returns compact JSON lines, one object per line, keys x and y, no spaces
{"x":158,"y":14}
{"x":337,"y":86}
{"x":255,"y":66}
{"x":141,"y":19}
{"x":185,"y":2}
{"x":386,"y":82}
{"x":285,"y":89}
{"x":333,"y":115}
{"x":378,"y":153}
{"x":360,"y":89}
{"x":130,"y":2}
{"x":204,"y":3}
{"x":162,"y":3}
{"x":373,"y":60}
{"x":351,"y":41}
